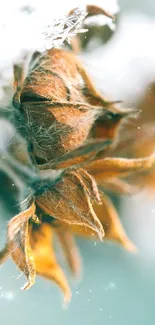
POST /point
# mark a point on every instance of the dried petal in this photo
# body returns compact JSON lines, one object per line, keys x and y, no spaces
{"x":107,"y":128}
{"x":18,"y":245}
{"x":45,"y":260}
{"x":119,"y":186}
{"x":69,"y":247}
{"x":111,"y":223}
{"x":78,"y":156}
{"x":112,"y":167}
{"x":4,"y":254}
{"x":69,"y":202}
{"x":21,"y":253}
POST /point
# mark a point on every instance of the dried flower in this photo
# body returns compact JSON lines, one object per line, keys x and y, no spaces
{"x":70,"y":131}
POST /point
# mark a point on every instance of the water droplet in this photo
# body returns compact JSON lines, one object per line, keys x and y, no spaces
{"x":112,"y":285}
{"x":9,"y":295}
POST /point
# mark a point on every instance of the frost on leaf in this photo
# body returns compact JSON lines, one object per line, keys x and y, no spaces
{"x":64,"y":28}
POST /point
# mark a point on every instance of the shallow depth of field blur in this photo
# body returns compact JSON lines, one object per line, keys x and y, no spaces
{"x":115,"y":288}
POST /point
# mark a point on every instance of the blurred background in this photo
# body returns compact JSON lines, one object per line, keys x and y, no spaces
{"x":115,"y":288}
